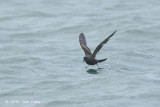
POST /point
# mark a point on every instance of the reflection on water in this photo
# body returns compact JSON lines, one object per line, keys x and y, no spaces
{"x":95,"y":71}
{"x":92,"y":71}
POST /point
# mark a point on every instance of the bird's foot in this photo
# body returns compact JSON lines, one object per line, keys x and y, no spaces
{"x":87,"y":66}
{"x":100,"y":68}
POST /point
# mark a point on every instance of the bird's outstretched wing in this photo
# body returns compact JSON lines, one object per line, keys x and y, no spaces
{"x":101,"y":45}
{"x":83,"y":44}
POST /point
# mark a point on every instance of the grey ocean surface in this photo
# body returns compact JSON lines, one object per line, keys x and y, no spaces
{"x":41,"y":59}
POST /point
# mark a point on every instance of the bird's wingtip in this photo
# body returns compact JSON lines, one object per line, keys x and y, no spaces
{"x":81,"y":34}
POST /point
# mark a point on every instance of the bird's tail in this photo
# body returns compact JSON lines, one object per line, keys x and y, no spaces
{"x":102,"y":60}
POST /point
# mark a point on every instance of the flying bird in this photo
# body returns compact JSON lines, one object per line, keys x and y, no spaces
{"x":89,"y":58}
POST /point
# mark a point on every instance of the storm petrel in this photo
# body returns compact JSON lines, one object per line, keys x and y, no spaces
{"x":89,"y":58}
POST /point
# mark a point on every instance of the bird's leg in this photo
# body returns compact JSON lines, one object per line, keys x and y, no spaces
{"x":87,"y":66}
{"x":97,"y":66}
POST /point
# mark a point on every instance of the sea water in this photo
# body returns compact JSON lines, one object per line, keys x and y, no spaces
{"x":41,"y":61}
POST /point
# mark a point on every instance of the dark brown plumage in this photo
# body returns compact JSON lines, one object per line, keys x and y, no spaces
{"x":89,"y":57}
